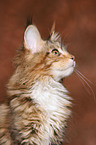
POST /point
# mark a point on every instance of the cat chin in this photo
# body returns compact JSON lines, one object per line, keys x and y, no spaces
{"x":59,"y":75}
{"x":68,"y":72}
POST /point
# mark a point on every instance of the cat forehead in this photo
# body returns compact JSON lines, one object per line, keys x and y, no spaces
{"x":56,"y":45}
{"x":34,"y":43}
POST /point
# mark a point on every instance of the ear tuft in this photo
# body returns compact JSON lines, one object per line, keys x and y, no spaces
{"x":32,"y":39}
{"x":29,"y":21}
{"x":52,"y":28}
{"x":54,"y":36}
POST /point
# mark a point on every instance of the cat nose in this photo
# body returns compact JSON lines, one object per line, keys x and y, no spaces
{"x":73,"y":58}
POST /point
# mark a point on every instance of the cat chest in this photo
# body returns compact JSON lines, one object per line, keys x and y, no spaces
{"x":53,"y":105}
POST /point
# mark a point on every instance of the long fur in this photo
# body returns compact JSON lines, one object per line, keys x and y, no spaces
{"x":38,"y":106}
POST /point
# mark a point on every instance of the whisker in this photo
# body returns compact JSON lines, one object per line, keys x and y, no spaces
{"x":82,"y":81}
{"x":86,"y":81}
{"x":84,"y":76}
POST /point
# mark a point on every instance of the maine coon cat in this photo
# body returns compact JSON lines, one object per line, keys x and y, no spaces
{"x":38,"y":104}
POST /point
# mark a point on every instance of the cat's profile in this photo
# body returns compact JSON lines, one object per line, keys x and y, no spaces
{"x":38,"y":107}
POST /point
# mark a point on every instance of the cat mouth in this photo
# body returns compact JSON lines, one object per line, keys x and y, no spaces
{"x":74,"y":64}
{"x":69,"y":67}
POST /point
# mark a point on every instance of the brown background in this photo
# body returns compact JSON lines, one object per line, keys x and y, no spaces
{"x":76,"y":22}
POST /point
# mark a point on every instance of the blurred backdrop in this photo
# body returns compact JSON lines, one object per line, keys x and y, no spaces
{"x":76,"y":22}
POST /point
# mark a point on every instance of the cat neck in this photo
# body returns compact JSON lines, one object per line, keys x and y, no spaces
{"x":46,"y":92}
{"x":50,"y":94}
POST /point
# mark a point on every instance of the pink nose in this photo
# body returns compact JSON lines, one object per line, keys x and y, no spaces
{"x":73,"y":58}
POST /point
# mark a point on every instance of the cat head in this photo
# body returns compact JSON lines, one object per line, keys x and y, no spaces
{"x":58,"y":62}
{"x":40,"y":59}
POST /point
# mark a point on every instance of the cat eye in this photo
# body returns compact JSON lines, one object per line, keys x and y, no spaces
{"x":55,"y":52}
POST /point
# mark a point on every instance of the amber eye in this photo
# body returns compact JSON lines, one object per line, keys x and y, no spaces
{"x":55,"y":52}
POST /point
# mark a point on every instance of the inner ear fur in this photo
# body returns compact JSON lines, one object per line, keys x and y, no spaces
{"x":32,"y":39}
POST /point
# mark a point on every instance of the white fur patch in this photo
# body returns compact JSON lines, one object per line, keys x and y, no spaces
{"x":53,"y":99}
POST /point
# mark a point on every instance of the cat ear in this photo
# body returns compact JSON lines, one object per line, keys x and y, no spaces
{"x":32,"y":39}
{"x":53,"y":35}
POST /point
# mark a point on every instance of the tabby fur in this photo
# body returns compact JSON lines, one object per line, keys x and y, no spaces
{"x":38,"y":105}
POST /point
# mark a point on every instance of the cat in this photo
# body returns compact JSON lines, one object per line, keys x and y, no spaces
{"x":38,"y":105}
